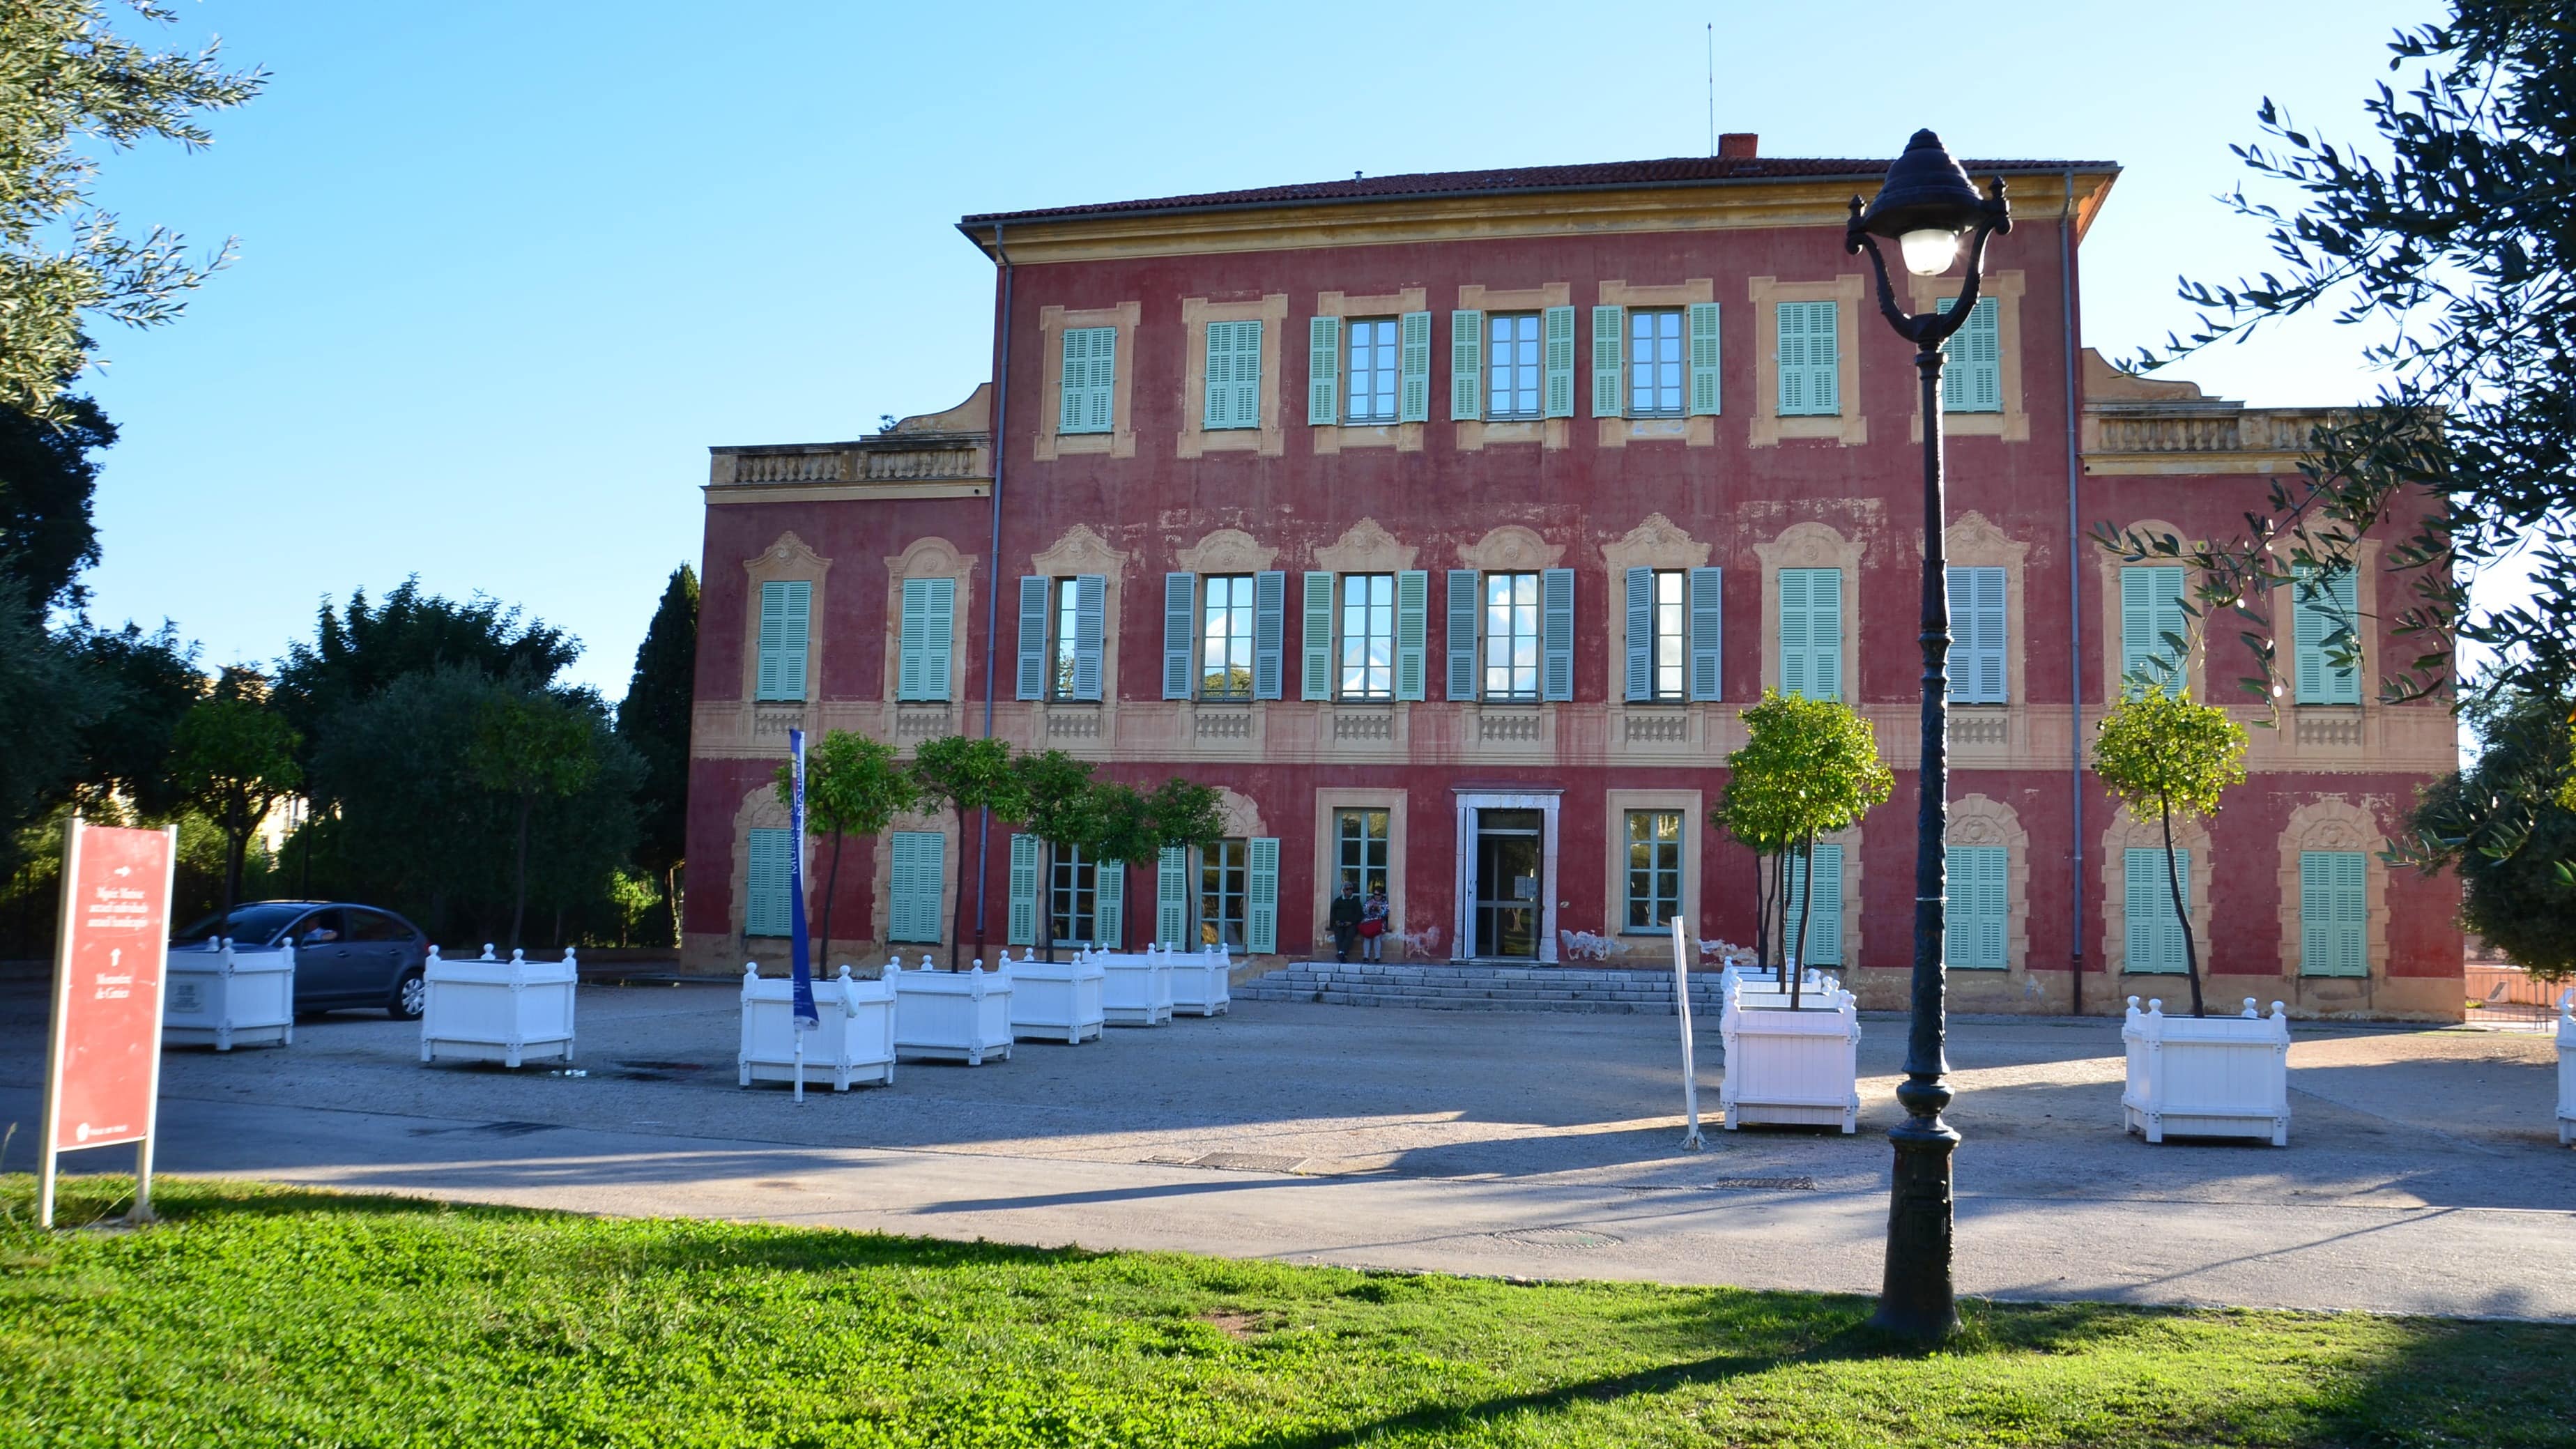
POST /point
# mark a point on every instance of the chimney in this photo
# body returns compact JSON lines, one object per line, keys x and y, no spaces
{"x":1737,"y":146}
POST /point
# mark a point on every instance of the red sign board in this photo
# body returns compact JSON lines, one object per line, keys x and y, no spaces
{"x":105,"y":1068}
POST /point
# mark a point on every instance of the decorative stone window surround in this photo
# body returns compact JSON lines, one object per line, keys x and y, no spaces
{"x":1403,"y":437}
{"x":1811,"y":545}
{"x":1466,"y":803}
{"x":1120,"y":440}
{"x":881,"y":885}
{"x":1694,"y":432}
{"x":1847,"y":292}
{"x":1617,"y":806}
{"x":1327,"y":857}
{"x":2308,"y":729}
{"x":1552,"y":434}
{"x":1973,"y":541}
{"x":2013,"y":423}
{"x":2196,"y":659}
{"x":789,"y":560}
{"x":2126,"y":832}
{"x":759,"y":809}
{"x":2334,"y":822}
{"x":1230,"y":728}
{"x":1080,"y":551}
{"x":1981,"y":820}
{"x":1270,"y":440}
{"x":927,"y":558}
{"x":1656,"y":543}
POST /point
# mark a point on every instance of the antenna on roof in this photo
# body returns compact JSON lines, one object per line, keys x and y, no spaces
{"x":1712,"y":88}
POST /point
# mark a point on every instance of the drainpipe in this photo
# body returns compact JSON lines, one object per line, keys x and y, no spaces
{"x":993,"y":568}
{"x":2074,"y":568}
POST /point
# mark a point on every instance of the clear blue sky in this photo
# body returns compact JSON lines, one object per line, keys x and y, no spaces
{"x":507,"y":269}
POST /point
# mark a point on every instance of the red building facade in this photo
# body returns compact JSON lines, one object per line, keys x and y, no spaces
{"x":1448,"y":522}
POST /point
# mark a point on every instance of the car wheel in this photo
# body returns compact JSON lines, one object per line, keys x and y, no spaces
{"x":409,"y":997}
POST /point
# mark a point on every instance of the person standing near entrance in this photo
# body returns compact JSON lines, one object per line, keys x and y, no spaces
{"x":1373,"y":923}
{"x":1345,"y":919}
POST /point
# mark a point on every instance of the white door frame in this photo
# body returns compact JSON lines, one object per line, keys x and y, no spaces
{"x":1464,"y":887}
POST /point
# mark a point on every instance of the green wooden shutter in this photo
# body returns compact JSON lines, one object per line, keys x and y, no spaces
{"x":1641,"y":634}
{"x":2155,"y":934}
{"x":912,"y":641}
{"x":1180,"y":637}
{"x":1109,"y":904}
{"x":1556,"y":333}
{"x":1269,"y":633}
{"x":1461,"y":640}
{"x":1413,"y":380}
{"x":1976,"y":663}
{"x":2334,"y":915}
{"x":1972,"y":372}
{"x":1705,"y":355}
{"x":1811,"y":633}
{"x":918,"y":875}
{"x":1827,"y":924}
{"x":773,"y":624}
{"x":1171,"y":896}
{"x":1466,"y":365}
{"x":1233,"y":375}
{"x":1090,"y":631}
{"x":1809,"y":359}
{"x":1033,"y":640}
{"x":938,"y":630}
{"x":1261,"y":896}
{"x":1556,"y":634}
{"x":770,"y":857}
{"x":1607,"y":348}
{"x":1323,"y":370}
{"x":2321,"y":612}
{"x":2151,"y":627}
{"x":1023,"y":918}
{"x":786,"y":615}
{"x":1315,"y":639}
{"x":1088,"y":401}
{"x":1707,"y":633}
{"x":1412,"y":628}
{"x":1974,"y":913}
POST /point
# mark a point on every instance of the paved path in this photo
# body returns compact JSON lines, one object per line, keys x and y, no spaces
{"x":2423,"y":1174}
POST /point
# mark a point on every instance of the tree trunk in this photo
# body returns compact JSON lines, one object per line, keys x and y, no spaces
{"x":957,"y":918}
{"x":236,"y":845}
{"x":2173,"y":880}
{"x":831,"y":883}
{"x":1046,"y":898}
{"x":1761,"y":916}
{"x":1797,"y":966}
{"x":519,"y":886}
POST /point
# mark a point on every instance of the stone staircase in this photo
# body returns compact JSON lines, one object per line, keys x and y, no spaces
{"x":1461,"y":987}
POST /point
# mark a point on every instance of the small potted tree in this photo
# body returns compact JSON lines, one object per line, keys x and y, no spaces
{"x":2199,"y":1076}
{"x":1809,"y":767}
{"x":853,"y":786}
{"x":1061,"y":808}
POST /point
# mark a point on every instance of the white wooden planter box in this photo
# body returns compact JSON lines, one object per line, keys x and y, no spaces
{"x":490,"y":1010}
{"x":2567,"y":1068}
{"x":1055,"y":998}
{"x":2207,"y":1076}
{"x":950,"y":1015}
{"x":1798,"y":1067}
{"x":1201,"y":983}
{"x":224,"y":996}
{"x":853,"y":1043}
{"x":1138,"y":991}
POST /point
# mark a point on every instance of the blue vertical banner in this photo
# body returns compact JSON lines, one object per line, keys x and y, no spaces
{"x":800,"y":946}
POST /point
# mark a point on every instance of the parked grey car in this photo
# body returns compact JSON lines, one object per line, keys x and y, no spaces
{"x":345,"y":954}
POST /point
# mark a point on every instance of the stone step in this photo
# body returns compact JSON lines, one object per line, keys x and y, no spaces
{"x":1440,"y":987}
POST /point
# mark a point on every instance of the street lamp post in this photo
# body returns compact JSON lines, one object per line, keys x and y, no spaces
{"x":1926,"y":206}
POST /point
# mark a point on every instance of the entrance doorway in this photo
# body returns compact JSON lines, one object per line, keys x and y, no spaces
{"x":1510,"y":888}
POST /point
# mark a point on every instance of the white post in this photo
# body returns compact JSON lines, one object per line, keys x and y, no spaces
{"x":1682,"y":1005}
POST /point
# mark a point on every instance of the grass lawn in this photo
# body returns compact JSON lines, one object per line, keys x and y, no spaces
{"x":257,"y":1315}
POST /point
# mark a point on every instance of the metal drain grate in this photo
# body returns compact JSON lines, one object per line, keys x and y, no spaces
{"x":1576,"y":1238}
{"x":1730,"y":1184}
{"x":1248,"y":1162}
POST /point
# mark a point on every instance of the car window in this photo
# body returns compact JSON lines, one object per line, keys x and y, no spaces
{"x":250,"y":925}
{"x":374,"y":926}
{"x":322,"y":928}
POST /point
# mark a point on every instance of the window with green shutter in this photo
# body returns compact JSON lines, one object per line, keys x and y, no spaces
{"x":1972,"y":374}
{"x":927,"y":630}
{"x":2334,"y":913}
{"x":2155,"y":934}
{"x":1261,"y":896}
{"x":1233,"y":375}
{"x":1560,"y":361}
{"x":2327,"y":616}
{"x":1315,"y":637}
{"x":1973,"y":910}
{"x":1171,"y":897}
{"x":1088,"y":403}
{"x":2153,"y":630}
{"x":1109,"y":905}
{"x":1324,"y":370}
{"x":1810,"y":360}
{"x":1658,"y":365}
{"x":1607,"y":324}
{"x":1466,"y":365}
{"x":1707,"y":633}
{"x":1706,"y":353}
{"x":771,"y":862}
{"x":1826,"y":922}
{"x":917,"y":876}
{"x":1811,"y":633}
{"x":786,"y":615}
{"x":1413,"y":378}
{"x":1022,"y":923}
{"x":1976,"y":663}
